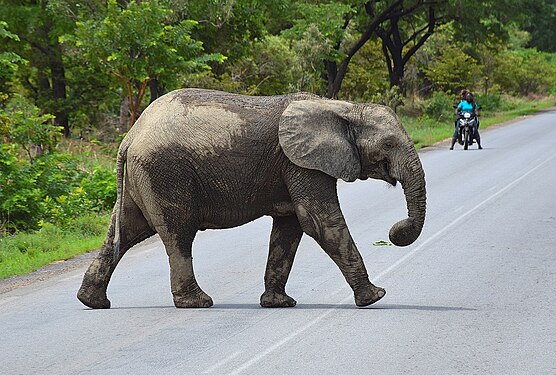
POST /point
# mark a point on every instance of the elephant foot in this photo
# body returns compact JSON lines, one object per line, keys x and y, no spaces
{"x":369,"y":296}
{"x":199,"y":299}
{"x":274,"y":299}
{"x":93,"y":298}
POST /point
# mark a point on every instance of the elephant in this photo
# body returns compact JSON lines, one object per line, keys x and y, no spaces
{"x":203,"y":159}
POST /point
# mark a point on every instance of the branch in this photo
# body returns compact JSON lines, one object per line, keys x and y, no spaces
{"x":388,"y":58}
{"x":424,"y":38}
{"x":371,"y":28}
{"x":414,"y":36}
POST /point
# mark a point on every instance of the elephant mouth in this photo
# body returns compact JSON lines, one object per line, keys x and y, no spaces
{"x":379,"y":171}
{"x":391,"y":180}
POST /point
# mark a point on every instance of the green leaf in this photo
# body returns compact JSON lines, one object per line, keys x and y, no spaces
{"x":382,"y":243}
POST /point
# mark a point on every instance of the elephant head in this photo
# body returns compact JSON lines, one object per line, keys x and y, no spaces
{"x":357,"y":141}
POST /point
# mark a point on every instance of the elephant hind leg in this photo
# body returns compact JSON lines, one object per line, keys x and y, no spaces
{"x":284,"y":240}
{"x":134,"y":228}
{"x":185,"y":289}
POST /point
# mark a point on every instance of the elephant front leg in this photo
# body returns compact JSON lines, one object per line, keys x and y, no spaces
{"x":317,"y":208}
{"x":333,"y":236}
{"x":284,"y":240}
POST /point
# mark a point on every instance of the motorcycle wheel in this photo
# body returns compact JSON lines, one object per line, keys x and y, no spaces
{"x":466,"y":139}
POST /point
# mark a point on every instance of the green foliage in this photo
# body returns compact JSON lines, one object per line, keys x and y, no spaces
{"x":325,"y":22}
{"x":367,"y":75}
{"x":391,"y":97}
{"x":310,"y":48}
{"x":540,"y":23}
{"x":25,"y":252}
{"x":440,"y":105}
{"x":491,"y":102}
{"x":452,"y":69}
{"x":229,"y":27}
{"x":55,"y":188}
{"x":9,"y":61}
{"x":22,"y":124}
{"x":269,"y":72}
{"x":139,"y":44}
{"x":525,"y":72}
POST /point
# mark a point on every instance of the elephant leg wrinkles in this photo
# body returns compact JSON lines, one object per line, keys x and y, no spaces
{"x":284,"y":240}
{"x":185,"y":290}
{"x":134,"y":229}
{"x":318,"y":211}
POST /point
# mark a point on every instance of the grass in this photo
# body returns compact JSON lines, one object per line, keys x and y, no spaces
{"x":22,"y":253}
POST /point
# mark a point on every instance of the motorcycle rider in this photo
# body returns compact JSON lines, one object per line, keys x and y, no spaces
{"x":467,"y":104}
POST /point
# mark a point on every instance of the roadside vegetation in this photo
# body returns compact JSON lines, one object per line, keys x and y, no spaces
{"x":74,"y":77}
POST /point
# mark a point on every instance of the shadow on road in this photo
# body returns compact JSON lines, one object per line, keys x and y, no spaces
{"x":253,"y":306}
{"x":421,"y":308}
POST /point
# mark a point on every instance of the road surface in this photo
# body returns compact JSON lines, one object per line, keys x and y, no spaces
{"x":475,"y":294}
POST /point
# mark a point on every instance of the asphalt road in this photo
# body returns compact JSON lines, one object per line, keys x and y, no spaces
{"x":476,"y":294}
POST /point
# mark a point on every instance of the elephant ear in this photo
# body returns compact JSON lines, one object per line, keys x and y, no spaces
{"x":315,"y":134}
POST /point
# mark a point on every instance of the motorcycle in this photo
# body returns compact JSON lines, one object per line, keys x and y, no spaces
{"x":466,"y":129}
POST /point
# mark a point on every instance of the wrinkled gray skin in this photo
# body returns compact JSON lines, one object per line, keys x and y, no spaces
{"x":200,"y":159}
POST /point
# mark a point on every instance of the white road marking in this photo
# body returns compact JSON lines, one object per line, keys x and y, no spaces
{"x":385,"y":272}
{"x":221,"y":363}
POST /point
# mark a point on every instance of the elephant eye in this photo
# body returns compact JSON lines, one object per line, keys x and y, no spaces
{"x":388,"y":144}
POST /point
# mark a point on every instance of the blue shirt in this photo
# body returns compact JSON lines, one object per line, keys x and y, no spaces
{"x":465,"y":106}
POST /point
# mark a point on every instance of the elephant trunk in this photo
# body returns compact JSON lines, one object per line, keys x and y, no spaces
{"x":406,"y":231}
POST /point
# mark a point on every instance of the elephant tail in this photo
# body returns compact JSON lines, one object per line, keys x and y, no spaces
{"x":118,"y":206}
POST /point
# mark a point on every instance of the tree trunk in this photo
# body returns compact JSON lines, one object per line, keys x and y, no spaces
{"x":59,"y":89}
{"x":394,"y":46}
{"x":125,"y":115}
{"x":337,"y":74}
{"x":155,"y":89}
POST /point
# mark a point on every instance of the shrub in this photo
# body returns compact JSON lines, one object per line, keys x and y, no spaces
{"x":392,"y":98}
{"x":525,"y":72}
{"x":440,"y":105}
{"x":489,"y":102}
{"x":55,"y":188}
{"x":22,"y":124}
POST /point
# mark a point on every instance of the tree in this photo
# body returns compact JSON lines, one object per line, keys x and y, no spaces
{"x":367,"y":74}
{"x":405,"y":31}
{"x":403,"y":26}
{"x":39,"y":26}
{"x":525,"y":71}
{"x":326,"y":23}
{"x":541,"y":24}
{"x":350,"y":25}
{"x":452,"y":70}
{"x":228,"y":27}
{"x":138,"y":45}
{"x":9,"y":61}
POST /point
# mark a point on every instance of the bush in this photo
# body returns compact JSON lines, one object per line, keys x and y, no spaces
{"x":55,"y":188}
{"x":489,"y":102}
{"x":392,"y":98}
{"x":525,"y":72}
{"x":440,"y":105}
{"x":22,"y":125}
